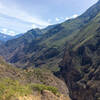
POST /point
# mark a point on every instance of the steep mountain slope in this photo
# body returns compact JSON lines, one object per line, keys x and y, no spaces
{"x":81,"y":70}
{"x":1,"y":42}
{"x":16,"y":45}
{"x":80,"y":66}
{"x":30,"y":84}
{"x":28,"y":37}
{"x":19,"y":35}
{"x":48,"y":28}
{"x":34,"y":49}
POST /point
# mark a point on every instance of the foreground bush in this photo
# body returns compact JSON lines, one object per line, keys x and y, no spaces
{"x":11,"y":88}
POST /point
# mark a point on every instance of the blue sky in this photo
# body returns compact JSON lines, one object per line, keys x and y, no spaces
{"x":18,"y":16}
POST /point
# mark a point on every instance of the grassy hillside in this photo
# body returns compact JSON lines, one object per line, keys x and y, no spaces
{"x":17,"y":83}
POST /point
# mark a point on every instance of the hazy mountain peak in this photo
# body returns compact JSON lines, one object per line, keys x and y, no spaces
{"x":4,"y":37}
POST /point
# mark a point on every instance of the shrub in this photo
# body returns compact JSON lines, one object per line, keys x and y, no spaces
{"x":10,"y":88}
{"x":41,"y":87}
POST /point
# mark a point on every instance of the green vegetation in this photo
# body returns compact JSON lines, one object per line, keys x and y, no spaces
{"x":41,"y":87}
{"x":11,"y":88}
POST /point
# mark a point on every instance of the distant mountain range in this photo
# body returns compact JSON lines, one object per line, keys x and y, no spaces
{"x":43,"y":47}
{"x":4,"y":37}
{"x":71,"y":50}
{"x":35,"y":32}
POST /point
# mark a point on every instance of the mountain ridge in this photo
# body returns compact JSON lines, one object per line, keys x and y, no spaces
{"x":71,"y":50}
{"x":5,"y":37}
{"x":30,"y":48}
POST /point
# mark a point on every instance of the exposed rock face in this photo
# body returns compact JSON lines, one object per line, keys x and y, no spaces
{"x":80,"y":67}
{"x":81,"y":71}
{"x":46,"y":95}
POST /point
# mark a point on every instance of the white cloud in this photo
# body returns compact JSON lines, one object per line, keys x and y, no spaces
{"x":15,"y":12}
{"x":34,"y":26}
{"x":49,"y":20}
{"x":75,"y":16}
{"x":67,"y":18}
{"x":4,"y":30}
{"x":12,"y":33}
{"x":1,"y":5}
{"x":13,"y":24}
{"x":57,"y":19}
{"x":72,"y":17}
{"x":16,"y":19}
{"x":13,"y":20}
{"x":8,"y":32}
